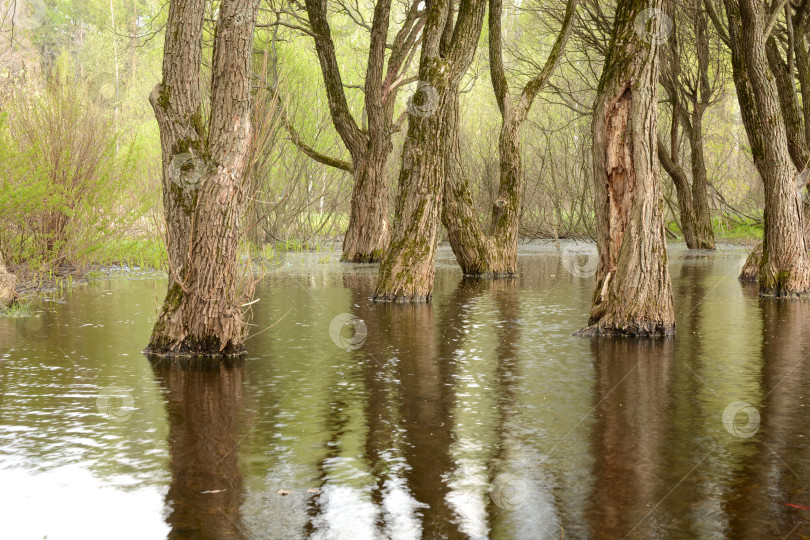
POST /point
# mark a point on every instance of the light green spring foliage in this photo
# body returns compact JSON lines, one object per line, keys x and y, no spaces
{"x":110,"y":53}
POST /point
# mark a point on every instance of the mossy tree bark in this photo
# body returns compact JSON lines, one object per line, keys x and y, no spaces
{"x":448,"y":47}
{"x":368,"y":233}
{"x":784,"y":269}
{"x":8,"y":285}
{"x":496,"y":254}
{"x":204,"y":189}
{"x":633,"y":294}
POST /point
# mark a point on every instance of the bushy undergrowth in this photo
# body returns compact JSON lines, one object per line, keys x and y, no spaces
{"x":68,"y":185}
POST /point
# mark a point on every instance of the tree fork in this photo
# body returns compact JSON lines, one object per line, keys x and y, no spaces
{"x":203,"y":179}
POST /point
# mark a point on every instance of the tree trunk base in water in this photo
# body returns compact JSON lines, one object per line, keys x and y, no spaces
{"x":633,"y":329}
{"x":192,"y":348}
{"x":8,"y":288}
{"x":362,"y":258}
{"x":750,"y":270}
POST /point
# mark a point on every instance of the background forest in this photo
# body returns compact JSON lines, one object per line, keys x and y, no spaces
{"x":81,"y":147}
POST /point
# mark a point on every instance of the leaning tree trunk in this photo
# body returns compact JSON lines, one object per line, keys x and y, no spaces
{"x":685,"y":207}
{"x":203,"y":179}
{"x":8,"y":285}
{"x":476,"y":253}
{"x":633,"y":294}
{"x":407,"y":269}
{"x":785,"y":268}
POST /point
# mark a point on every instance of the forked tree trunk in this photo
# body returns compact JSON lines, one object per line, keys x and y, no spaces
{"x":8,"y":285}
{"x":633,"y":294}
{"x":368,"y":233}
{"x":496,"y":254}
{"x":407,"y":269}
{"x":203,"y":179}
{"x":692,"y":87}
{"x":785,"y":268}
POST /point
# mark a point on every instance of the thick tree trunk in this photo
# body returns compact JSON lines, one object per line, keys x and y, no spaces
{"x":407,"y":269}
{"x":633,"y":294}
{"x":476,"y":253}
{"x":8,"y":285}
{"x":785,"y":268}
{"x":368,"y":233}
{"x":203,"y":179}
{"x":704,"y":232}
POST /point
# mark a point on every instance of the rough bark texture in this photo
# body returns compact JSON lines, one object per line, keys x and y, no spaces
{"x":368,"y":233}
{"x":407,"y":269}
{"x":8,"y":285}
{"x":203,"y":179}
{"x":794,"y":115}
{"x":633,"y":294}
{"x":784,"y":268}
{"x":496,"y":254}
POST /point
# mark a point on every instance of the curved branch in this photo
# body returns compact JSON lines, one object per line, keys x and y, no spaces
{"x":536,"y":84}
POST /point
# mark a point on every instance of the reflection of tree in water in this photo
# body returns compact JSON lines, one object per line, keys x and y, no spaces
{"x":631,"y":408}
{"x":203,"y":402}
{"x":776,"y":471}
{"x":409,"y":385}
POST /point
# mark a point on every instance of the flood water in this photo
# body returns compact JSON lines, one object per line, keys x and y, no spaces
{"x":476,"y":416}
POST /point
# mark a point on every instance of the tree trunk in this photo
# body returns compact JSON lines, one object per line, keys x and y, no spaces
{"x":496,"y":254}
{"x":368,"y":233}
{"x":704,"y":232}
{"x":203,"y":179}
{"x":476,"y":253}
{"x":785,"y":268}
{"x":407,"y":269}
{"x":8,"y":285}
{"x":633,"y":294}
{"x":684,"y":194}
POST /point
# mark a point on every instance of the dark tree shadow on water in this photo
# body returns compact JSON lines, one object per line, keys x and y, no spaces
{"x":203,"y":404}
